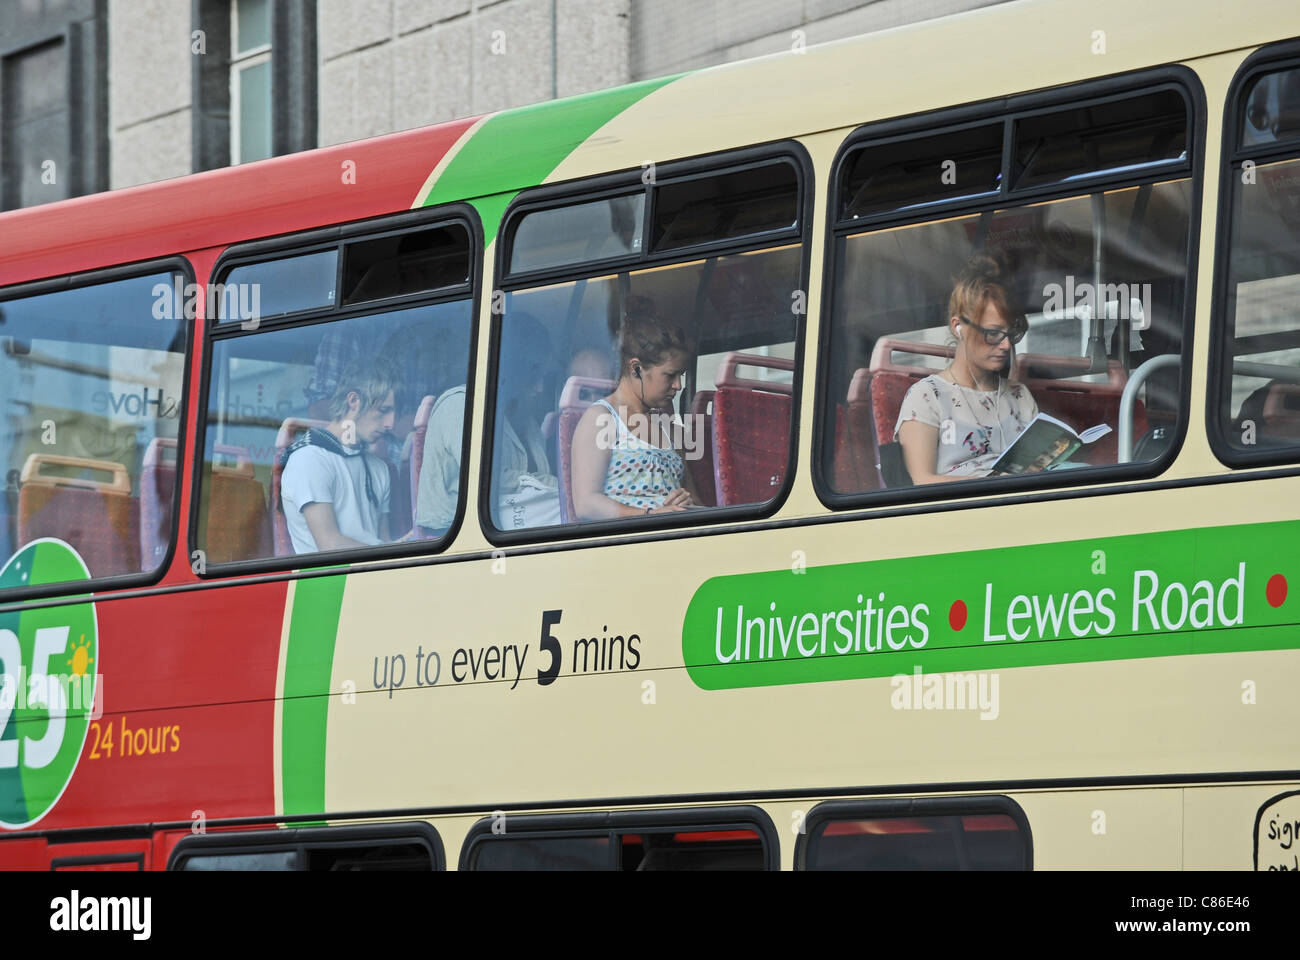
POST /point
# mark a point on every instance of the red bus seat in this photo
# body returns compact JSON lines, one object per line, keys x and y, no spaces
{"x":701,"y":467}
{"x":886,"y":384}
{"x":157,"y":486}
{"x":238,"y":525}
{"x":284,"y":438}
{"x":578,"y":394}
{"x":1081,"y":405}
{"x":856,"y":465}
{"x":418,"y":434}
{"x":751,"y":431}
{"x":98,"y":518}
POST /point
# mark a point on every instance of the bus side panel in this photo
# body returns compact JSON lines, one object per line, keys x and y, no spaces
{"x":187,"y":729}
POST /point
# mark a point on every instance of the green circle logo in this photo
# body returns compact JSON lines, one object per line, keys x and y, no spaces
{"x":49,"y":672}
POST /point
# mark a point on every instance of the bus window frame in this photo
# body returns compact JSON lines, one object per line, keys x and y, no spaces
{"x":1265,"y":59}
{"x":622,"y":183}
{"x":176,"y":265}
{"x":1012,"y":109}
{"x":911,"y":808}
{"x":617,"y":823}
{"x":300,"y":839}
{"x":312,"y":241}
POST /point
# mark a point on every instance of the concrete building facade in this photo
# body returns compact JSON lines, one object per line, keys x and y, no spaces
{"x":167,"y":103}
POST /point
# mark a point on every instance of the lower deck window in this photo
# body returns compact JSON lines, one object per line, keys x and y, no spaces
{"x":318,"y":850}
{"x":624,"y":842}
{"x":942,"y":835}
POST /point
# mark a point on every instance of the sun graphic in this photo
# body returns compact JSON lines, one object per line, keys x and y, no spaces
{"x":81,"y":658}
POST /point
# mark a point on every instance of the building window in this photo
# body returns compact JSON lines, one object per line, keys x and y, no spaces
{"x":250,"y":80}
{"x":53,"y":102}
{"x":255,"y":92}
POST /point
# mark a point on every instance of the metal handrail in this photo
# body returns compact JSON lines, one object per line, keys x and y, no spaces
{"x":1129,"y":397}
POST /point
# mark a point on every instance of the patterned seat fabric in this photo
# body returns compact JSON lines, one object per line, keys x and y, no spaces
{"x":701,"y":467}
{"x":887,"y":392}
{"x":752,"y":439}
{"x":99,"y":519}
{"x":858,"y":470}
{"x":238,"y":528}
{"x":751,"y":431}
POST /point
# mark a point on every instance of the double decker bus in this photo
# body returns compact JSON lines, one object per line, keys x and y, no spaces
{"x":822,"y":663}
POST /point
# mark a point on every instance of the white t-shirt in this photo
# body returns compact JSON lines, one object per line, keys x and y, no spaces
{"x":315,"y":475}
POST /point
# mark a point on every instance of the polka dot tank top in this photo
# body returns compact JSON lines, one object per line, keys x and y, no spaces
{"x":640,"y":474}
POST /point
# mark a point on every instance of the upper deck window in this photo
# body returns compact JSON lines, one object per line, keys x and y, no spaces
{"x":1258,"y":417}
{"x":596,"y":230}
{"x":662,"y":385}
{"x":328,"y":408}
{"x":90,"y":406}
{"x":1270,"y":112}
{"x":406,"y":264}
{"x":1110,"y":137}
{"x":272,"y":288}
{"x":893,"y":177}
{"x":970,"y":302}
{"x":711,"y":209}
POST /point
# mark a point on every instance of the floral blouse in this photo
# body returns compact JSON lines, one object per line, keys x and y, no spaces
{"x":975,"y":426}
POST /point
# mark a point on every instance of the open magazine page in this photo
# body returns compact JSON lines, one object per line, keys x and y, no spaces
{"x":1045,"y":443}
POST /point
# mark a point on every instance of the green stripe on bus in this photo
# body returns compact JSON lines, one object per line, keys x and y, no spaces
{"x":519,"y":148}
{"x":1207,"y":590}
{"x":309,"y":663}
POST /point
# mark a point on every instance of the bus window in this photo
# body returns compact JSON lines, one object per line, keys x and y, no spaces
{"x":578,"y":233}
{"x":1259,"y":403}
{"x":388,"y":847}
{"x":276,"y":287}
{"x":625,"y":841}
{"x":90,"y":398}
{"x":981,"y":842}
{"x":339,"y":411}
{"x":995,"y":336}
{"x":665,"y":387}
{"x":544,"y":853}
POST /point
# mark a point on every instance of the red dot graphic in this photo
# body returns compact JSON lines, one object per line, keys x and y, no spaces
{"x":1276,"y":590}
{"x":957,"y":615}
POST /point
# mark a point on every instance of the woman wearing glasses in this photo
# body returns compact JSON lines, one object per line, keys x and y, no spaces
{"x":953,"y":425}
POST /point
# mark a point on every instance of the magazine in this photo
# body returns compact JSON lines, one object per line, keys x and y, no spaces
{"x":1045,"y":443}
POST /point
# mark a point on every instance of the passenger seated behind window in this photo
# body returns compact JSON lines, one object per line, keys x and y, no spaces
{"x":334,"y":493}
{"x":624,"y":463}
{"x":954,"y":425}
{"x":526,"y":489}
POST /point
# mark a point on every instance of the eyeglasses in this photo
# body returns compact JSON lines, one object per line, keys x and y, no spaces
{"x":995,"y":335}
